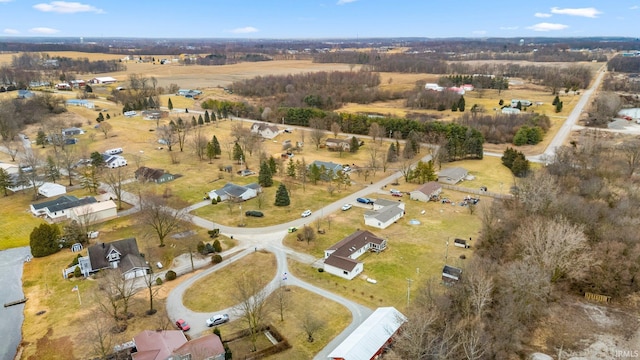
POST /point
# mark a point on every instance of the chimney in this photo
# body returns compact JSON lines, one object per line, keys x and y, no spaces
{"x":103,"y":245}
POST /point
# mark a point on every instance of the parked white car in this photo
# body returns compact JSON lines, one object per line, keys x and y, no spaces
{"x":346,"y":207}
{"x":306,"y":213}
{"x":218,"y":319}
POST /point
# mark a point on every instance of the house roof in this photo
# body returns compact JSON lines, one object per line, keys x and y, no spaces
{"x":72,"y":204}
{"x":333,"y":141}
{"x":235,"y":190}
{"x":94,"y":207}
{"x":157,"y":345}
{"x":453,"y":173}
{"x":48,"y":188}
{"x":98,"y":254}
{"x":344,"y":263}
{"x":386,"y":213}
{"x":104,"y":78}
{"x":365,"y":341}
{"x":327,"y":165}
{"x":385,"y":202}
{"x":57,"y":201}
{"x":429,"y":188}
{"x":9,"y":168}
{"x":264,"y":126}
{"x":356,"y":240}
{"x":149,"y":173}
{"x":205,"y":346}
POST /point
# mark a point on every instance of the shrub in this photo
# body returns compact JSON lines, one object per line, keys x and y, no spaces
{"x":209,"y":249}
{"x":216,"y":259}
{"x":171,"y":275}
{"x":200,"y":248}
{"x":213,"y":233}
{"x":216,"y":246}
{"x":320,"y":270}
{"x":158,"y":281}
{"x":214,"y":201}
{"x":77,"y":272}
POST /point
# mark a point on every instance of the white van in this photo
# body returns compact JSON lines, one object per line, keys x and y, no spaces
{"x":115,"y":151}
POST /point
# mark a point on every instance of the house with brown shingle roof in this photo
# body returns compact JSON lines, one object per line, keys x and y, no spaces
{"x":338,"y":144}
{"x":207,"y":347}
{"x":157,"y":345}
{"x":426,"y":191}
{"x":340,"y":259}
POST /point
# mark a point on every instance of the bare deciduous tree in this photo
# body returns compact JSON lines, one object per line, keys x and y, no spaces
{"x":167,"y":136}
{"x":114,"y":296}
{"x":250,"y":295}
{"x":310,"y":324}
{"x":105,"y":128}
{"x":114,"y":179}
{"x":556,"y":246}
{"x":199,"y":144}
{"x":68,"y":158}
{"x":317,"y":131}
{"x":281,"y":297}
{"x":156,"y":214}
{"x":335,"y":129}
{"x":631,"y":151}
{"x":100,"y":337}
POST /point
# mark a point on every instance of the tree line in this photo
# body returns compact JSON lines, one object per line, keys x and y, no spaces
{"x":503,"y":128}
{"x":625,"y":64}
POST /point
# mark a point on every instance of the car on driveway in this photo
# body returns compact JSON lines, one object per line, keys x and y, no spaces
{"x":306,"y":213}
{"x":182,"y":325}
{"x":218,"y":319}
{"x":365,"y":200}
{"x":254,"y":213}
{"x":346,"y":207}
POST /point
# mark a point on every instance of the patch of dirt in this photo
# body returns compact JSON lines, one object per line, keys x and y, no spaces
{"x":584,"y":330}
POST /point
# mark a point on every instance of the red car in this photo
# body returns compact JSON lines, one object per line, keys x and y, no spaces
{"x":182,"y":325}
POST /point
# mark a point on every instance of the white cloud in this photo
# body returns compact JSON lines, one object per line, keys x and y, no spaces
{"x":342,"y":2}
{"x":244,"y":30}
{"x":547,"y":27}
{"x":508,"y":28}
{"x":43,"y":30}
{"x":64,"y":7}
{"x":11,"y":31}
{"x":542,"y":15}
{"x":634,"y":7}
{"x":584,"y":12}
{"x":5,"y":1}
{"x":479,"y":32}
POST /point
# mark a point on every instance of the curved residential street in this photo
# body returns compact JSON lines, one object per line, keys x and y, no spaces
{"x":270,"y":238}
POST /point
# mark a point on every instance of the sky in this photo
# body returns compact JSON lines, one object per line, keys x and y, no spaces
{"x":318,"y":19}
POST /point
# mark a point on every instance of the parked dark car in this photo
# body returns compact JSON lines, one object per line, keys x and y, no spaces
{"x":365,"y":200}
{"x":254,"y":213}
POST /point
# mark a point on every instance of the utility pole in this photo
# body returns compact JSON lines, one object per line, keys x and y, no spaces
{"x":446,"y":254}
{"x":409,"y":281}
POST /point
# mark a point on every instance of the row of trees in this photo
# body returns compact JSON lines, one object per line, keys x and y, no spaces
{"x":503,"y":128}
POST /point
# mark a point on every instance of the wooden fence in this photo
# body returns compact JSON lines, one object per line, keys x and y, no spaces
{"x":477,"y":192}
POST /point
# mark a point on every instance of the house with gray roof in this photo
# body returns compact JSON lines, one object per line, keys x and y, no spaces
{"x":328,"y":166}
{"x":452,"y":175}
{"x":265,"y":130}
{"x":340,"y":259}
{"x":384,"y":213}
{"x":157,"y":176}
{"x":59,"y":208}
{"x":121,"y":254}
{"x":236,"y":192}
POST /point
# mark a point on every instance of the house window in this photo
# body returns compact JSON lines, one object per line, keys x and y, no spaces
{"x":345,"y":272}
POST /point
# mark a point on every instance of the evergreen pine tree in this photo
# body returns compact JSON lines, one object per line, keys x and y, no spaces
{"x":216,"y":147}
{"x":41,"y":138}
{"x":392,"y":153}
{"x":559,"y":106}
{"x":273,"y":166}
{"x":355,"y":145}
{"x":282,"y":196}
{"x":194,"y":122}
{"x":207,"y":119}
{"x":461,"y":104}
{"x":211,"y":153}
{"x":238,"y":155}
{"x":556,"y":100}
{"x":170,"y":104}
{"x":291,"y":169}
{"x":265,"y":178}
{"x":200,"y":120}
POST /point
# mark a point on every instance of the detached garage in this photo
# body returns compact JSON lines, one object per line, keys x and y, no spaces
{"x":51,"y":189}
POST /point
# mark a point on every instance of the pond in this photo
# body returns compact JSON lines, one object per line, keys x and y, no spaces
{"x":11,"y":264}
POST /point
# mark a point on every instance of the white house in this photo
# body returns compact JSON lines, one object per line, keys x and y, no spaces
{"x":59,"y":209}
{"x":115,"y":161}
{"x":371,"y":338}
{"x":103,"y":80}
{"x":72,"y":131}
{"x":340,"y":259}
{"x":94,"y":212}
{"x":426,"y":191}
{"x":514,"y":102}
{"x":433,"y":87}
{"x":233,"y":191}
{"x":10,"y":168}
{"x":384,"y":213}
{"x":265,"y":130}
{"x":51,"y":189}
